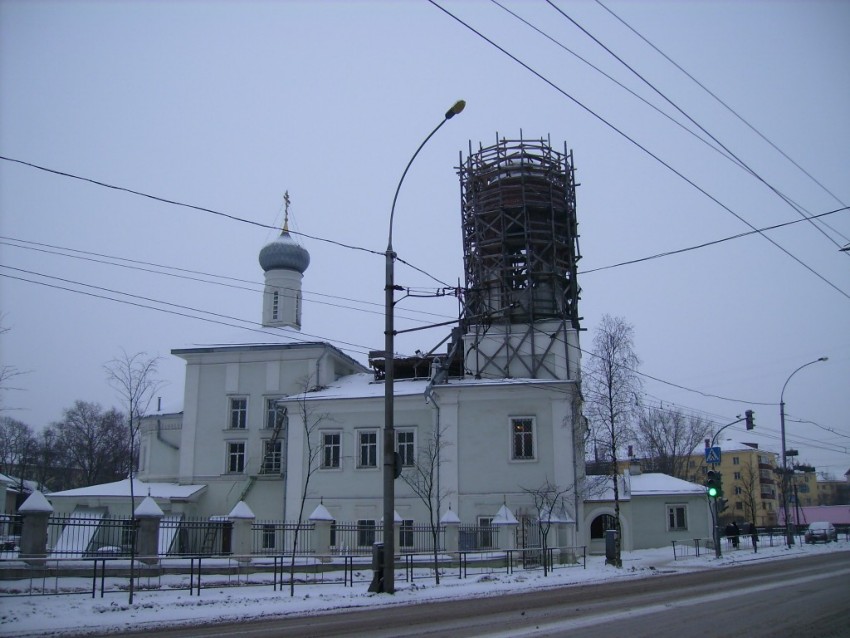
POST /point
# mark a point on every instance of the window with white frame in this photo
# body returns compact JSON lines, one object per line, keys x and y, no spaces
{"x":238,"y":413}
{"x":331,"y":450}
{"x":405,"y":533}
{"x":677,"y":518}
{"x":367,"y":448}
{"x":485,"y":532}
{"x":365,"y":532}
{"x":405,"y":445}
{"x":236,"y":456}
{"x":268,"y":538}
{"x":522,"y":438}
{"x":272,"y":461}
{"x":272,"y":412}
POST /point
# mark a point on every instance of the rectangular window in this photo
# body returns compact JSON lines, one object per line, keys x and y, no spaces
{"x":739,"y":505}
{"x":272,"y":461}
{"x":236,"y":457}
{"x":738,"y":491}
{"x":365,"y":532}
{"x":238,"y":413}
{"x":275,"y":304}
{"x":405,"y":533}
{"x":405,"y":445}
{"x":736,"y":460}
{"x":737,"y":476}
{"x":485,"y":532}
{"x":272,"y":414}
{"x":268,"y":539}
{"x":677,"y":518}
{"x":367,"y":441}
{"x":522,"y":438}
{"x":331,"y":450}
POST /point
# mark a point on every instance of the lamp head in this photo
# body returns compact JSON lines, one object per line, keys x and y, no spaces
{"x":457,"y":107}
{"x":824,"y":359}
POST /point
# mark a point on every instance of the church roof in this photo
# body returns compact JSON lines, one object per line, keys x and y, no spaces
{"x":284,"y":254}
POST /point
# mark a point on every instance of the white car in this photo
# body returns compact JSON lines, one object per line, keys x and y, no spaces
{"x":821,"y":531}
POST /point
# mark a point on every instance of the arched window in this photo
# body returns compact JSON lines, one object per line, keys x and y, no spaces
{"x":600,"y":524}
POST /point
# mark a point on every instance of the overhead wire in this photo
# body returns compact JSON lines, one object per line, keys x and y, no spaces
{"x":740,"y":161}
{"x":637,"y":144}
{"x":135,"y":264}
{"x":731,"y":110}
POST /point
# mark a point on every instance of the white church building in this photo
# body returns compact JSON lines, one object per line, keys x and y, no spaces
{"x":502,"y":404}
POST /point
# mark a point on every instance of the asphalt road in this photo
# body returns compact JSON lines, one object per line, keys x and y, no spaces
{"x":801,"y":598}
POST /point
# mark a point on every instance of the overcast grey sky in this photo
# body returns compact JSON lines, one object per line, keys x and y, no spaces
{"x":226,"y":105}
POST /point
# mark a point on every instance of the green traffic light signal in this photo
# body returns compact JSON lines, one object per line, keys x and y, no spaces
{"x":712,"y":484}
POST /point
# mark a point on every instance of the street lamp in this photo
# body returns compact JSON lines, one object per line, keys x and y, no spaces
{"x":388,"y":576}
{"x":789,"y":537}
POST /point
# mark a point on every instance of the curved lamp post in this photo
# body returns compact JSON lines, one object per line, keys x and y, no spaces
{"x":388,"y":579}
{"x":789,"y":536}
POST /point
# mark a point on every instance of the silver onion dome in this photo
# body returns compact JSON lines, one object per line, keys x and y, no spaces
{"x":284,"y":254}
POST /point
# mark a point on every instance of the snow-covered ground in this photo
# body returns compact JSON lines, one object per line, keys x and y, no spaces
{"x":54,"y":615}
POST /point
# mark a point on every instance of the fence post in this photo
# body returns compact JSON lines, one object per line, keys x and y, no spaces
{"x":505,"y":520}
{"x":241,"y":543}
{"x":149,"y":516}
{"x":451,"y":523}
{"x":322,"y":521}
{"x":35,"y":513}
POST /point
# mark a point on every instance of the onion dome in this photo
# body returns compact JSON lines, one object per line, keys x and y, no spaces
{"x":284,"y":254}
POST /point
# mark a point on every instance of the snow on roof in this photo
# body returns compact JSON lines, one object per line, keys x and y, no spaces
{"x":321,"y":513}
{"x":241,"y":510}
{"x":363,"y":386}
{"x":653,"y":483}
{"x":148,"y":507}
{"x":36,"y":503}
{"x":601,"y":488}
{"x":141,"y":489}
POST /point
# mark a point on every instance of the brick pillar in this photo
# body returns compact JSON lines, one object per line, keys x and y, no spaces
{"x":451,"y":523}
{"x":35,"y":513}
{"x":149,"y":514}
{"x":241,"y":541}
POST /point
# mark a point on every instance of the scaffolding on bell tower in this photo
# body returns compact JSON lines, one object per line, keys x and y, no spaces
{"x":520,"y":239}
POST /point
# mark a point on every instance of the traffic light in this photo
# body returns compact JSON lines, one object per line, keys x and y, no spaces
{"x":712,"y":484}
{"x":748,"y":415}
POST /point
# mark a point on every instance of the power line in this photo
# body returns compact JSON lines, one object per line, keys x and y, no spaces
{"x":692,"y":120}
{"x":218,"y":318}
{"x":710,"y":243}
{"x":731,"y":110}
{"x":135,"y":264}
{"x":639,"y":146}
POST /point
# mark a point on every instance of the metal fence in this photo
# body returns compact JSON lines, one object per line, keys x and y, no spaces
{"x":10,"y":535}
{"x":273,"y":538}
{"x":89,"y":534}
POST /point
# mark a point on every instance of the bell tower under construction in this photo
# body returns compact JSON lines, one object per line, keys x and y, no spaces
{"x":520,"y":241}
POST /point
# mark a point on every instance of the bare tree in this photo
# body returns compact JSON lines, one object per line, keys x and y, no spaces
{"x":7,"y":373}
{"x":310,"y":421}
{"x":666,"y":437}
{"x":750,"y":490}
{"x":550,"y":505}
{"x":611,"y":386}
{"x":423,"y":479}
{"x":133,"y":377}
{"x":93,"y":441}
